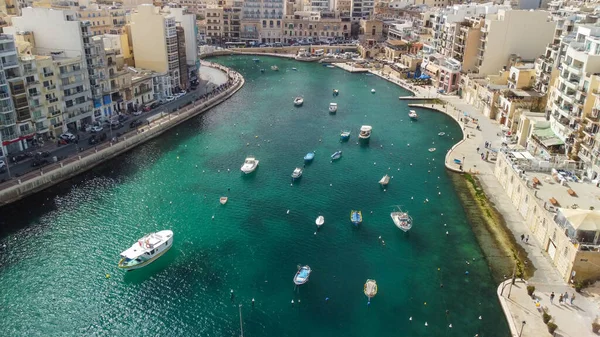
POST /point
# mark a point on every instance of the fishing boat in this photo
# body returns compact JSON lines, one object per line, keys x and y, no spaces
{"x":356,"y":217}
{"x":402,"y":220}
{"x":365,"y":132}
{"x":332,"y":107}
{"x":370,"y":289}
{"x":336,"y":92}
{"x":223,"y":200}
{"x":256,"y":60}
{"x":302,"y":275}
{"x":275,"y":68}
{"x":441,"y":133}
{"x":309,"y":157}
{"x":146,"y":250}
{"x":345,"y":135}
{"x":330,"y":66}
{"x":297,"y":173}
{"x":298,"y":101}
{"x":295,"y":69}
{"x":320,"y":221}
{"x":431,"y":149}
{"x":250,"y":164}
{"x":412,"y":114}
{"x":372,"y":91}
{"x":336,"y":155}
{"x":385,"y":180}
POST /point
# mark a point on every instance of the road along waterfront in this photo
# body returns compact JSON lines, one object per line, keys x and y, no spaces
{"x":432,"y":281}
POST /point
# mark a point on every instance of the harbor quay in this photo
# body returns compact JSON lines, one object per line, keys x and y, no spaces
{"x":226,"y":84}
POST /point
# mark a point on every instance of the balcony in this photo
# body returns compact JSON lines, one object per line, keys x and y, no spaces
{"x":576,"y":70}
{"x":9,"y":136}
{"x":48,"y":74}
{"x":7,"y":121}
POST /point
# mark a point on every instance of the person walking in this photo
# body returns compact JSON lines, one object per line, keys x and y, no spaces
{"x":560,"y":299}
{"x":566,"y":297}
{"x":572,"y":298}
{"x":551,"y":297}
{"x":527,"y":240}
{"x":522,"y":237}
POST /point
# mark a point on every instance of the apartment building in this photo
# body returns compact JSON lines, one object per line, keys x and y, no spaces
{"x":214,"y":24}
{"x":302,"y":25}
{"x":513,"y":32}
{"x":460,"y":41}
{"x":262,"y":20}
{"x":60,"y":34}
{"x":232,"y":16}
{"x":343,"y":7}
{"x":10,"y":7}
{"x":11,"y":138}
{"x":155,"y":46}
{"x":189,"y":64}
{"x":362,"y":9}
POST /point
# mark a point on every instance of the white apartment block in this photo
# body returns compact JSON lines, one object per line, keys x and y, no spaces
{"x":513,"y":32}
{"x":11,"y":139}
{"x":187,"y":21}
{"x":262,"y":20}
{"x":154,"y":38}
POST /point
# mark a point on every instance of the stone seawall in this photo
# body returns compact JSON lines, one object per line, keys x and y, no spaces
{"x":50,"y":175}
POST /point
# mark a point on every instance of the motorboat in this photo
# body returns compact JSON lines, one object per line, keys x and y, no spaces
{"x":370,"y":289}
{"x":336,"y":155}
{"x":302,"y":275}
{"x":345,"y":135}
{"x":441,"y":133}
{"x":332,"y":107}
{"x":372,"y":91}
{"x":412,"y":114}
{"x":336,"y":92}
{"x":256,"y":60}
{"x":250,"y":164}
{"x":356,"y":217}
{"x":297,"y":173}
{"x":295,"y":69}
{"x":309,"y":157}
{"x":402,"y":220}
{"x":223,"y":200}
{"x":298,"y":101}
{"x":385,"y":180}
{"x":320,"y":221}
{"x":365,"y":132}
{"x":431,"y":149}
{"x":275,"y":68}
{"x":146,"y":250}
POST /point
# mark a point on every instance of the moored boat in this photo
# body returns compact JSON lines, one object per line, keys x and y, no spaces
{"x":413,"y":115}
{"x":336,"y":155}
{"x":146,"y":250}
{"x":320,"y":221}
{"x":297,"y":173}
{"x":309,"y":157}
{"x":385,"y":180}
{"x":333,"y":107}
{"x":275,"y":68}
{"x":356,"y":217}
{"x":256,"y":60}
{"x":223,"y":200}
{"x":372,"y":91}
{"x":432,"y":149}
{"x":295,"y":69}
{"x":250,"y":164}
{"x":298,"y":101}
{"x":365,"y":132}
{"x":441,"y":133}
{"x":336,"y":92}
{"x":302,"y":275}
{"x":370,"y":289}
{"x":345,"y":135}
{"x":402,"y":220}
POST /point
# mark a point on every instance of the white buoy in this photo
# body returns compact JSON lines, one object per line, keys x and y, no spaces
{"x":330,"y":185}
{"x":407,"y":144}
{"x":439,"y":193}
{"x":315,"y":233}
{"x":446,"y":232}
{"x":450,"y":326}
{"x":445,"y":225}
{"x":291,"y":184}
{"x":426,"y":324}
{"x":479,"y":317}
{"x":410,"y":318}
{"x":288,"y":212}
{"x":213,"y":217}
{"x":411,"y":198}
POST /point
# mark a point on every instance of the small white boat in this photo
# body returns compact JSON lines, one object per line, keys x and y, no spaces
{"x":336,"y":92}
{"x":146,"y":250}
{"x":332,"y":107}
{"x":320,"y":221}
{"x":223,"y":200}
{"x":431,"y":149}
{"x":275,"y":68}
{"x":385,"y":180}
{"x":295,"y":69}
{"x":370,"y":289}
{"x":298,"y":101}
{"x":250,"y":164}
{"x":302,"y":275}
{"x":365,"y":132}
{"x":297,"y":173}
{"x":345,"y":135}
{"x":402,"y":220}
{"x":412,"y":114}
{"x":372,"y":91}
{"x":336,"y":155}
{"x":441,"y":133}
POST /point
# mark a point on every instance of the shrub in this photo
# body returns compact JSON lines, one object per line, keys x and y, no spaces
{"x":596,"y":326}
{"x":546,"y":317}
{"x":551,"y":327}
{"x":530,"y":290}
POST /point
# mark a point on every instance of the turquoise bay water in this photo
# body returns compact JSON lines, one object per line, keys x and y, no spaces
{"x":58,"y":246}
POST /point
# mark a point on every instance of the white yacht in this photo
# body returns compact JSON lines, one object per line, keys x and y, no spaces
{"x":250,"y":164}
{"x":332,"y":107}
{"x":298,"y":101}
{"x":146,"y":250}
{"x":365,"y":132}
{"x":412,"y":114}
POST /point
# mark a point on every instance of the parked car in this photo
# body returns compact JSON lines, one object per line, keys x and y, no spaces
{"x":138,"y":112}
{"x":123,"y":118}
{"x":96,"y":129}
{"x":2,"y":164}
{"x":147,"y":108}
{"x":92,"y":140}
{"x":169,"y":98}
{"x":39,"y":162}
{"x":67,"y":136}
{"x":115,"y":125}
{"x":135,"y":124}
{"x":154,"y":105}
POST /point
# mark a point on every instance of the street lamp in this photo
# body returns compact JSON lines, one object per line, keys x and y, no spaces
{"x":522,"y":326}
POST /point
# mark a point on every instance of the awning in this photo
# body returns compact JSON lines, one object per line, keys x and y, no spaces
{"x":547,"y":137}
{"x":518,"y":155}
{"x":581,"y":219}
